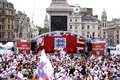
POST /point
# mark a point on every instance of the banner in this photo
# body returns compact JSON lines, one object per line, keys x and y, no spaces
{"x":45,"y":69}
{"x":98,"y":48}
{"x":81,"y":45}
{"x":71,"y":44}
{"x":23,"y":45}
{"x":49,"y":44}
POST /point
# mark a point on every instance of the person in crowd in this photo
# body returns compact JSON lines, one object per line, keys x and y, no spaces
{"x":65,"y":65}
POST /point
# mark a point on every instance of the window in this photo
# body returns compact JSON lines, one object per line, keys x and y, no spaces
{"x":117,"y":41}
{"x":75,"y":27}
{"x":93,"y":34}
{"x":70,"y":13}
{"x":3,"y":12}
{"x":105,"y":25}
{"x":104,"y":35}
{"x":12,"y":27}
{"x":93,"y":27}
{"x":3,"y":20}
{"x":75,"y":20}
{"x":117,"y":36}
{"x":87,"y":36}
{"x":82,"y":27}
{"x":0,"y":27}
{"x":70,"y":26}
{"x":98,"y":35}
{"x":117,"y":32}
{"x":88,"y":27}
{"x":8,"y":20}
{"x":70,"y":20}
{"x":0,"y":35}
{"x":8,"y":26}
{"x":88,"y":32}
{"x":98,"y":28}
{"x":8,"y":34}
{"x":20,"y":35}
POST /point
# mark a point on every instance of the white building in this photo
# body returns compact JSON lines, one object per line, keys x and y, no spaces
{"x":82,"y":22}
{"x":110,"y":29}
{"x":22,"y":26}
{"x":113,"y":32}
{"x":79,"y":20}
{"x":34,"y":30}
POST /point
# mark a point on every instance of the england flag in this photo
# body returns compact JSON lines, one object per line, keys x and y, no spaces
{"x":60,"y":43}
{"x":45,"y":70}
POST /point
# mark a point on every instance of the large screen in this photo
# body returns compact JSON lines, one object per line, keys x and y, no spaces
{"x":58,"y":23}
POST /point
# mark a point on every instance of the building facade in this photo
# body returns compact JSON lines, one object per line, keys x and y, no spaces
{"x":34,"y":30}
{"x":113,"y":32}
{"x":22,"y":26}
{"x":110,"y":30}
{"x":7,"y":16}
{"x":104,"y":25}
{"x":77,"y":20}
{"x":82,"y":22}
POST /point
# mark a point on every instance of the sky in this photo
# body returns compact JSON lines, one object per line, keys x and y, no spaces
{"x":36,"y":9}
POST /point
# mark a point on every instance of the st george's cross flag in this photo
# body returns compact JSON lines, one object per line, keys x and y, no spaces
{"x":60,"y":43}
{"x":45,"y":70}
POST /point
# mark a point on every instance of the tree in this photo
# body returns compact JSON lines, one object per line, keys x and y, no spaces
{"x":43,"y":30}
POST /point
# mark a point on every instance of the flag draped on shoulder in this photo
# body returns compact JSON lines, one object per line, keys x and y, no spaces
{"x":45,"y":70}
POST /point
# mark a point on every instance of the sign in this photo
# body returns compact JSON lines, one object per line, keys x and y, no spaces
{"x":81,"y":44}
{"x":98,"y":48}
{"x":23,"y":45}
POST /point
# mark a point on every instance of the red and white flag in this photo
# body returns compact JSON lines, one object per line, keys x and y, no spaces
{"x":80,"y":44}
{"x":45,"y":69}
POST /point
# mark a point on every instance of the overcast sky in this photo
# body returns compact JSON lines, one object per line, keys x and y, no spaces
{"x":36,"y":9}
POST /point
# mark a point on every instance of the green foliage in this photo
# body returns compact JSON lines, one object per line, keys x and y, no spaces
{"x":43,"y":30}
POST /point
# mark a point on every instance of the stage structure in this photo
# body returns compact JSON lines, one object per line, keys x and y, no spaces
{"x":60,"y":40}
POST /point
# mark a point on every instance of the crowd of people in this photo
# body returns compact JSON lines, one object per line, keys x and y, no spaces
{"x":14,"y":67}
{"x":70,"y":67}
{"x":66,"y":67}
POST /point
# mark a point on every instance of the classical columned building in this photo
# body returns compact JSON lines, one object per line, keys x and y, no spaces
{"x":22,"y":26}
{"x":7,"y":16}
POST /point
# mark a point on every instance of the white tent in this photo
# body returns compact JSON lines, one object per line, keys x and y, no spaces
{"x":7,"y":45}
{"x":118,"y":47}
